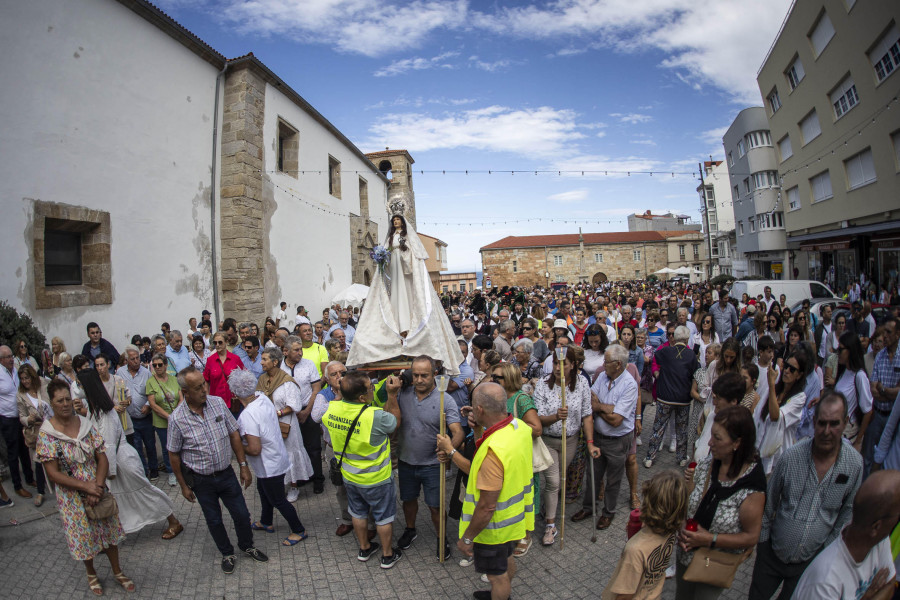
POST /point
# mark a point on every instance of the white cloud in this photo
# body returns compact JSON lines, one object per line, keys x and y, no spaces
{"x":420,"y":101}
{"x":543,"y":131}
{"x":713,"y":136}
{"x":720,"y":43}
{"x":368,"y":27}
{"x":602,"y":166}
{"x":398,"y":67}
{"x":570,"y":197}
{"x":490,"y":67}
{"x":631,"y":118}
{"x":645,"y":142}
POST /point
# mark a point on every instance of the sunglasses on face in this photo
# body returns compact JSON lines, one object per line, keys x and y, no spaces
{"x":158,"y":365}
{"x":218,"y":343}
{"x":248,"y":347}
{"x":497,"y":378}
{"x":789,"y":368}
{"x":527,"y":328}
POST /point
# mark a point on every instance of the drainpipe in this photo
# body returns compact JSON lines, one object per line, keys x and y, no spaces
{"x":212,"y":198}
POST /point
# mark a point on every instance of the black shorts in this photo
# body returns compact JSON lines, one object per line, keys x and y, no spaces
{"x":492,"y":560}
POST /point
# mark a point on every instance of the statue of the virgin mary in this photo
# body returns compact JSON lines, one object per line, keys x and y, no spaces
{"x":402,"y":314}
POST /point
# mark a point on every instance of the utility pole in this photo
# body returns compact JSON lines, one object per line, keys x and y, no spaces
{"x":705,"y":212}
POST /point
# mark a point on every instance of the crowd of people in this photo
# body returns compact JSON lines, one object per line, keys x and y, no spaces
{"x":784,"y":425}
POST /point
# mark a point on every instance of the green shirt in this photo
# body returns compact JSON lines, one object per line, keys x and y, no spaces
{"x":523,"y":403}
{"x":168,"y":404}
{"x":317,"y":354}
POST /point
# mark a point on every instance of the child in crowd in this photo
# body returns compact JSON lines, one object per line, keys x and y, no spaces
{"x":641,"y":571}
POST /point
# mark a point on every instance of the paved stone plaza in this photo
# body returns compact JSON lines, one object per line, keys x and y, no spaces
{"x":37,"y":564}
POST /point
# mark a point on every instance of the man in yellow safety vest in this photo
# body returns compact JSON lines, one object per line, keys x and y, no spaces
{"x":498,"y":507}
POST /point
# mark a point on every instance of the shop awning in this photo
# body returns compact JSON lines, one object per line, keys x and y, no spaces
{"x":815,"y":238}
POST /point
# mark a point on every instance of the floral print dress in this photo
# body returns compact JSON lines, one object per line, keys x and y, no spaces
{"x":86,"y":538}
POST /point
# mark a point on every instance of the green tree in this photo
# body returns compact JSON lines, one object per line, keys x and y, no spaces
{"x":15,"y":326}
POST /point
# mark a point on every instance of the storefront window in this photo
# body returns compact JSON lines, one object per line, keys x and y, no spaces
{"x":814,"y":264}
{"x":846,"y":269}
{"x":888,"y":267}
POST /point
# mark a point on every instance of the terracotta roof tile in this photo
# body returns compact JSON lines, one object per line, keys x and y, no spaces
{"x":571,"y":239}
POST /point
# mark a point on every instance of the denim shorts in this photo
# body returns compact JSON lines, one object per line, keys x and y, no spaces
{"x":415,"y":477}
{"x":381,"y":500}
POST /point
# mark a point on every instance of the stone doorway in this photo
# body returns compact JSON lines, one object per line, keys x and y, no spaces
{"x":598,"y":278}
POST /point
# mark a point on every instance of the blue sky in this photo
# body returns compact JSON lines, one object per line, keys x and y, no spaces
{"x":565,"y":85}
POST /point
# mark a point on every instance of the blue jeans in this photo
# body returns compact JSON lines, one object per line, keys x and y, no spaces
{"x":416,"y":477}
{"x":224,"y":486}
{"x":144,"y":442}
{"x":17,"y":451}
{"x":163,"y":434}
{"x":271,"y":496}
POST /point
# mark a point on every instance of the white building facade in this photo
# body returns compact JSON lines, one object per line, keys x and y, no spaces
{"x":148,"y":178}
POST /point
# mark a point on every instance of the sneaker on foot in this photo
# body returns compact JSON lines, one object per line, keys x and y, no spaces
{"x":389,"y":561}
{"x":673,"y":446}
{"x":368,"y":553}
{"x":256,"y":555}
{"x":318,"y":487}
{"x":648,"y":462}
{"x":638,"y":441}
{"x":406,"y":540}
{"x":550,"y":533}
{"x":293,"y":494}
{"x":172,"y":481}
{"x":7,"y":503}
{"x":437,"y":552}
{"x":467,"y":561}
{"x":154,"y":476}
{"x":228,"y":564}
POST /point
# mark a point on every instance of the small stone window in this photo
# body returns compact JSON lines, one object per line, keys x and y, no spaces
{"x":71,"y":256}
{"x":334,"y":177}
{"x":288,"y":149}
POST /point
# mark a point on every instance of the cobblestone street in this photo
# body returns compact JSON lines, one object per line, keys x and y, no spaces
{"x":37,"y":564}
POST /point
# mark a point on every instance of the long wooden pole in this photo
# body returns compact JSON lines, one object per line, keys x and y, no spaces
{"x":442,"y":525}
{"x":562,"y":454}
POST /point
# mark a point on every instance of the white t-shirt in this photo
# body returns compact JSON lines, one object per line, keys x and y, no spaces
{"x":834,"y":573}
{"x":847,"y":386}
{"x":259,"y":419}
{"x":282,"y":318}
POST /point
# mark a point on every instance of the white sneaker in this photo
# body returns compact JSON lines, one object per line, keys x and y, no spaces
{"x":467,"y":561}
{"x":484,"y":578}
{"x":172,"y":481}
{"x":638,"y":441}
{"x":648,"y":462}
{"x":293,"y":494}
{"x":673,"y":446}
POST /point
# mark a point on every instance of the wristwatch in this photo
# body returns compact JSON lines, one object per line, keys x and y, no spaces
{"x":243,"y":463}
{"x":450,"y":455}
{"x":712,"y":544}
{"x":467,"y":541}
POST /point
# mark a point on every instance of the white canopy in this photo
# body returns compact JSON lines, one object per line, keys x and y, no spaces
{"x":665,"y":271}
{"x":682,"y":271}
{"x":352,"y":296}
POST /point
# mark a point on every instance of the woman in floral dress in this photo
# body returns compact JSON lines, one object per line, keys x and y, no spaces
{"x":73,"y":454}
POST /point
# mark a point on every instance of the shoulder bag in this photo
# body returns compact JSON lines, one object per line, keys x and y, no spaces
{"x":105,"y":508}
{"x":540,"y":456}
{"x":711,"y":566}
{"x":334,"y":465}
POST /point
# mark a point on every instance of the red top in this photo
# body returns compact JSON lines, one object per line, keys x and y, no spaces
{"x":216,"y":375}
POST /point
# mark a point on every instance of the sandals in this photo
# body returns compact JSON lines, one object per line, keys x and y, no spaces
{"x":289,"y":542}
{"x":172,"y":531}
{"x":94,"y":584}
{"x":257,"y":526}
{"x":124,"y":581}
{"x":522,"y":547}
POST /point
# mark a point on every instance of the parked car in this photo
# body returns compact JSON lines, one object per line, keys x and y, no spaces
{"x":794,"y":289}
{"x":816,"y":306}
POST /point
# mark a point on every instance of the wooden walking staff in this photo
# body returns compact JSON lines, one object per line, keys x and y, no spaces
{"x":561,"y":357}
{"x":442,"y":382}
{"x":120,"y":392}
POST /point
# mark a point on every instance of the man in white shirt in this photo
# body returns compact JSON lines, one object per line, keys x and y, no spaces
{"x":468,"y":334}
{"x":281,"y":319}
{"x":768,"y":298}
{"x":858,"y":564}
{"x":614,"y":400}
{"x":10,"y":427}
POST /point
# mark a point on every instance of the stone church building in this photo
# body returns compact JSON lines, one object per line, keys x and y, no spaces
{"x":148,"y":177}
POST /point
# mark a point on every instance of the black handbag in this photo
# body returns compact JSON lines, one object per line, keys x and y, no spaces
{"x":334,"y":465}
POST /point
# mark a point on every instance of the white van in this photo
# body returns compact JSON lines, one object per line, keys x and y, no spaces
{"x":796,"y":290}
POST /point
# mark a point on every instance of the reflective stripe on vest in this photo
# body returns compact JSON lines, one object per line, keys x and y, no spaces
{"x":364,"y":464}
{"x":514,"y":514}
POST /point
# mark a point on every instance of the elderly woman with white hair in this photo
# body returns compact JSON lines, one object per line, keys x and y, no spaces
{"x":261,"y":435}
{"x":523,"y":358}
{"x":286,"y":397}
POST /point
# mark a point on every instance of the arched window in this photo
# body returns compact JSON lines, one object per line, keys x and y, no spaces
{"x":386,"y":169}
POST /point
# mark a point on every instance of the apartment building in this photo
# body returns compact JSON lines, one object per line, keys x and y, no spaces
{"x":717,"y":215}
{"x":830,"y":86}
{"x":756,"y":197}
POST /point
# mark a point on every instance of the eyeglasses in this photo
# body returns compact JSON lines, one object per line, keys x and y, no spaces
{"x":248,"y":346}
{"x":527,"y":328}
{"x":497,"y":378}
{"x":789,"y":368}
{"x":218,"y":343}
{"x":158,"y":365}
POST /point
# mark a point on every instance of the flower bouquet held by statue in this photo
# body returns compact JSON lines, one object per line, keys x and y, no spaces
{"x":382,"y":258}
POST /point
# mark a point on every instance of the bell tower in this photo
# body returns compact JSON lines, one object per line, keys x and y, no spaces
{"x":396,"y":165}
